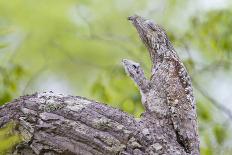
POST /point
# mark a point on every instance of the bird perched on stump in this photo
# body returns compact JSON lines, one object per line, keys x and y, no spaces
{"x":169,"y":91}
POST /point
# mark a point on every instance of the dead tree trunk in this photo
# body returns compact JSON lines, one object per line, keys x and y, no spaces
{"x":56,"y":124}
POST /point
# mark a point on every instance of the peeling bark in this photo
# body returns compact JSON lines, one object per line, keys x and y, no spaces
{"x":57,"y":124}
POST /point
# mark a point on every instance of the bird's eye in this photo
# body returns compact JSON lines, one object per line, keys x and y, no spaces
{"x":151,"y":24}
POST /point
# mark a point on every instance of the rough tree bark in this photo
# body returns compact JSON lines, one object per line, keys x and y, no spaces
{"x":58,"y":124}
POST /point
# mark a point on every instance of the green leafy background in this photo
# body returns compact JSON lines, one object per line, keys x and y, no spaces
{"x":75,"y":47}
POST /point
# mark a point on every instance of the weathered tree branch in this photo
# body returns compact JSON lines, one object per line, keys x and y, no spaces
{"x":58,"y":124}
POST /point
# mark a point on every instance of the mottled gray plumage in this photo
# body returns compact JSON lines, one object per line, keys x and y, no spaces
{"x":169,"y":92}
{"x":135,"y":71}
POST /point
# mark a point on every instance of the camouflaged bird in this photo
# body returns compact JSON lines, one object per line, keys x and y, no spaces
{"x":169,"y":92}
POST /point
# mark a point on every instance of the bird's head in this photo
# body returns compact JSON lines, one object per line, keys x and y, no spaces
{"x":132,"y":68}
{"x":153,"y":36}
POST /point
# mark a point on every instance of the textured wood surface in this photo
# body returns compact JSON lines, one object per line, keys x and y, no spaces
{"x":57,"y":124}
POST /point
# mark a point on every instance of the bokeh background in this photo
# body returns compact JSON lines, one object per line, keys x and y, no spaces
{"x":76,"y":47}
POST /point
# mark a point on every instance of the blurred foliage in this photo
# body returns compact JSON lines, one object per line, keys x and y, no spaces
{"x":8,"y":138}
{"x":76,"y":47}
{"x":9,"y":78}
{"x":215,"y":28}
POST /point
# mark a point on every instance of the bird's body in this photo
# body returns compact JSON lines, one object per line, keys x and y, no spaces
{"x":170,"y":92}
